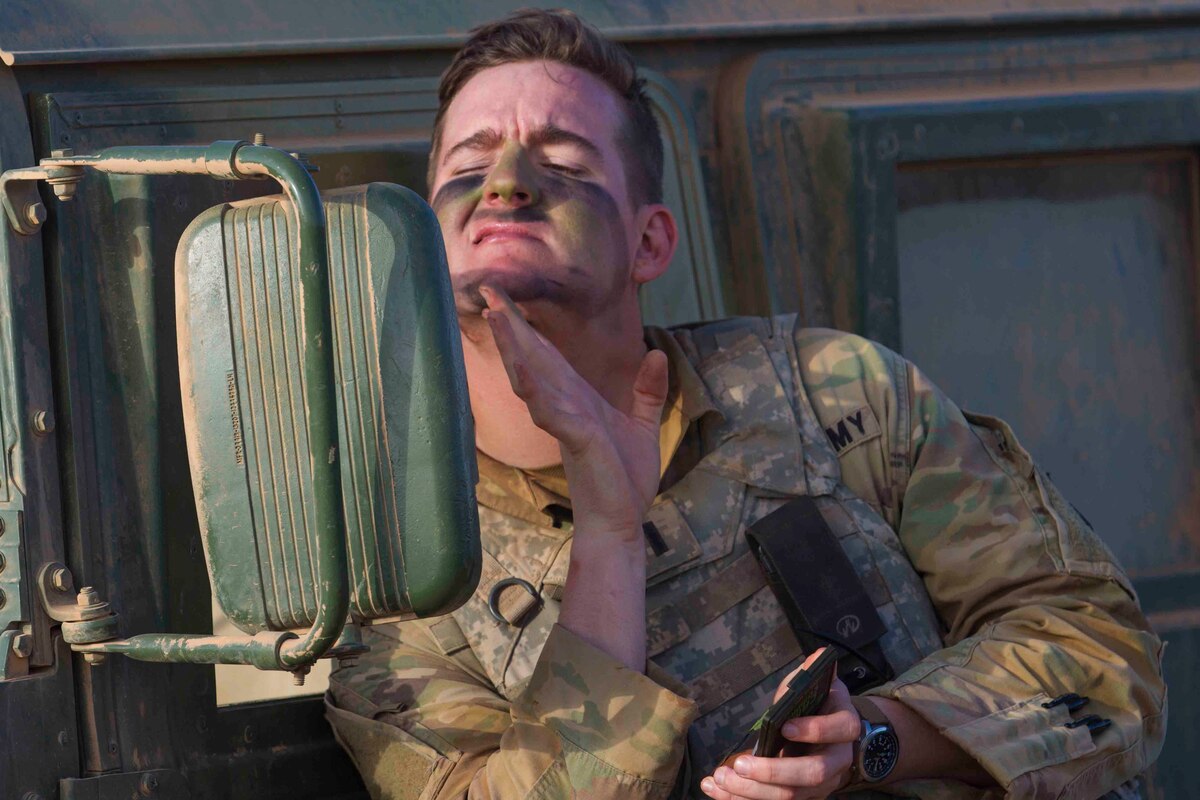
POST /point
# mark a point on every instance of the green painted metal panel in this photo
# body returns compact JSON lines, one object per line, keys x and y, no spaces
{"x":405,"y":430}
{"x":1017,"y":217}
{"x":54,"y":31}
{"x":1061,"y":295}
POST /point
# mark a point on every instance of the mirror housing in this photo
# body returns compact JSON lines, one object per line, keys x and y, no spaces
{"x":405,"y":430}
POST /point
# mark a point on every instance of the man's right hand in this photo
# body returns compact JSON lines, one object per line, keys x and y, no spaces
{"x":611,"y":459}
{"x":610,"y":456}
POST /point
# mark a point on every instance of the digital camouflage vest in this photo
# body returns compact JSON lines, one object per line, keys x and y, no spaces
{"x":713,"y":625}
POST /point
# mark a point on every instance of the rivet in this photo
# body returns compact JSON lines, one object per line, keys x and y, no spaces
{"x":248,"y":734}
{"x":3,"y":598}
{"x":60,"y":579}
{"x":2,"y":562}
{"x":43,"y":422}
{"x":149,"y":785}
{"x":63,"y":738}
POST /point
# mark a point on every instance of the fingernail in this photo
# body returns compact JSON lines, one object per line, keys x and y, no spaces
{"x":719,"y":776}
{"x":708,"y":785}
{"x":790,"y":730}
{"x":742,"y":766}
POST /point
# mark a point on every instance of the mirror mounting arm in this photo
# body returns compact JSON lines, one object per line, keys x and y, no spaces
{"x":230,"y":160}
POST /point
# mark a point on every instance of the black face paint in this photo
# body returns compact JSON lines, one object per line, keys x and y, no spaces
{"x":586,"y":222}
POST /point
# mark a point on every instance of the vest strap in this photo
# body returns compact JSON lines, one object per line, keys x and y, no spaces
{"x":726,"y":681}
{"x":448,"y":635}
{"x":668,"y":625}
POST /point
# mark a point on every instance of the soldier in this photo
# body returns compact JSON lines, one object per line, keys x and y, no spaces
{"x":624,"y":635}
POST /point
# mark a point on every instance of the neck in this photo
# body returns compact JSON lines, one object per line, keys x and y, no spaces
{"x":606,"y":351}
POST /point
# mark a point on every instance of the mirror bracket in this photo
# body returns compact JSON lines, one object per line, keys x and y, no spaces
{"x":89,"y":625}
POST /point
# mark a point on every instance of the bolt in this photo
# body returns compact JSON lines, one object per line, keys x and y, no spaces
{"x":64,"y":191}
{"x":3,"y":599}
{"x":248,"y":735}
{"x":1,"y":562}
{"x":96,"y":659}
{"x":298,"y":676}
{"x":32,"y":796}
{"x":64,"y":152}
{"x":43,"y":422}
{"x":63,"y":738}
{"x":35,"y":213}
{"x":3,"y":525}
{"x":112,"y":747}
{"x":60,"y":579}
{"x":260,"y":139}
{"x":149,"y":785}
{"x":87,"y":596}
{"x":22,"y":645}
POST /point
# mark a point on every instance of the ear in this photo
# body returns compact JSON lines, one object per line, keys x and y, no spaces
{"x":657,"y":243}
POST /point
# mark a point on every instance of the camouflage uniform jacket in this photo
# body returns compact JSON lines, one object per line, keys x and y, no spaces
{"x":996,"y":595}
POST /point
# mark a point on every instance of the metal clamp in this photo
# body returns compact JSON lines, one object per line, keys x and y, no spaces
{"x":1072,"y":701}
{"x":1094,"y":723}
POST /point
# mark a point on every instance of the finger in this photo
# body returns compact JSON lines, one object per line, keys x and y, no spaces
{"x":499,"y":302}
{"x":824,"y":766}
{"x":650,"y":388}
{"x":502,"y":334}
{"x":836,"y":722}
{"x":710,"y":788}
{"x":783,"y":685}
{"x":742,"y":787}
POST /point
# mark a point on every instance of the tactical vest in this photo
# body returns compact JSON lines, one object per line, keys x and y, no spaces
{"x":713,"y":624}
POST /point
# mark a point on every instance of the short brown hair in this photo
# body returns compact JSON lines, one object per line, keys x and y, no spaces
{"x":560,"y":35}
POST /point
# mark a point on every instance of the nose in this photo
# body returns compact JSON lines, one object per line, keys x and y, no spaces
{"x":512,"y":181}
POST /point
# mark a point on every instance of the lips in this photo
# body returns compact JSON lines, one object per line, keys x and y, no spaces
{"x":502,"y":231}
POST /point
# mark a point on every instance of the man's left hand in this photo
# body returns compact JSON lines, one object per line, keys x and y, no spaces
{"x":828,"y":742}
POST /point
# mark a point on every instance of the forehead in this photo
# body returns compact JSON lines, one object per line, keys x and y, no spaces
{"x":518,"y":98}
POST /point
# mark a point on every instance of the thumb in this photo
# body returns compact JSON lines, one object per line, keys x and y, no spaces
{"x":650,"y":388}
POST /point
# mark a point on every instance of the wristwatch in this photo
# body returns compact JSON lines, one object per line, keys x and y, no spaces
{"x":878,"y":748}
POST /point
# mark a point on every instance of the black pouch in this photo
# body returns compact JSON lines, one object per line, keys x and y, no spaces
{"x":820,"y":592}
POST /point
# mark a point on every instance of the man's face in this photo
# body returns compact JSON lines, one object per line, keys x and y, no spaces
{"x":531,"y":192}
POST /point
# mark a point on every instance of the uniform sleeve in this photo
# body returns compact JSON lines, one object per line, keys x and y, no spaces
{"x":420,"y":724}
{"x":1034,"y":604}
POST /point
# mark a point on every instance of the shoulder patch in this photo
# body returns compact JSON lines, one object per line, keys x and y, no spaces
{"x":853,"y":429}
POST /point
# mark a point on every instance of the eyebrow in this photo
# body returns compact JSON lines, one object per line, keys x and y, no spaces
{"x":486,"y":139}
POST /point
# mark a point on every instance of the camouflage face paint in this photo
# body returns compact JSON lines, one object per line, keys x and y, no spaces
{"x":586,"y":233}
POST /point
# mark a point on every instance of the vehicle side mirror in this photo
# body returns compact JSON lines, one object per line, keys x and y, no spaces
{"x":407,"y":460}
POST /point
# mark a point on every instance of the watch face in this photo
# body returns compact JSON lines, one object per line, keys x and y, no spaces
{"x":879,"y":754}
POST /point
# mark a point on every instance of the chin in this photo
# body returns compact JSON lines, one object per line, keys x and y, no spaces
{"x":522,"y":282}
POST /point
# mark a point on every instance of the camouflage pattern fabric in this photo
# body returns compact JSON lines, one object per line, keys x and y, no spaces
{"x":997,"y":596}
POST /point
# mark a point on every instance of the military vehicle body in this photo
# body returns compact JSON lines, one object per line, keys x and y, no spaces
{"x":1005,"y":192}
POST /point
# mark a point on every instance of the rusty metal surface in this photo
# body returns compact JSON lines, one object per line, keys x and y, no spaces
{"x":56,"y":31}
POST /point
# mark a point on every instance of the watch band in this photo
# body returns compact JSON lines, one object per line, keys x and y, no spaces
{"x":872,"y":713}
{"x":876,"y":729}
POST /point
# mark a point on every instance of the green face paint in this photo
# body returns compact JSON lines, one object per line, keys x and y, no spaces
{"x":583,"y":238}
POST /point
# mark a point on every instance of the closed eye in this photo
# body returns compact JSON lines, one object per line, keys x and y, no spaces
{"x":563,"y":169}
